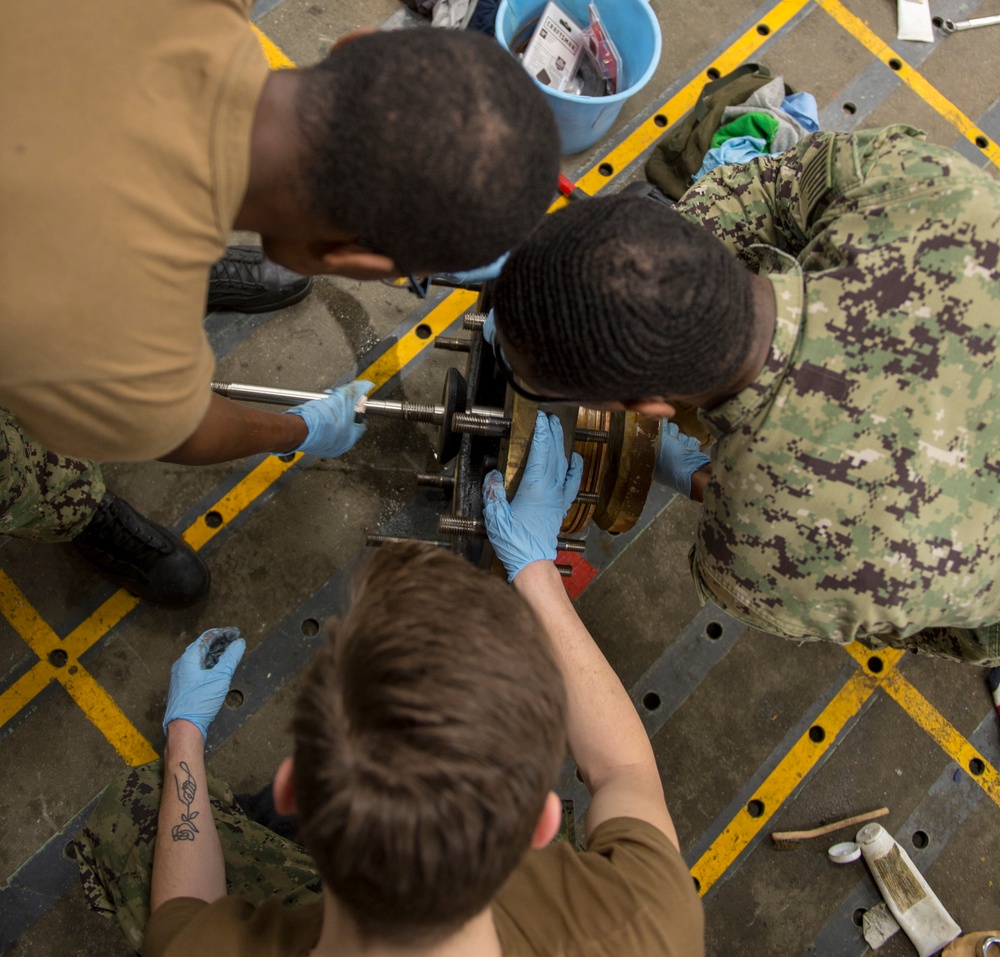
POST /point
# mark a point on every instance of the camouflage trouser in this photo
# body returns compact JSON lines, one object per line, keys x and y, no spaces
{"x":115,"y":852}
{"x":43,"y":496}
{"x":974,"y":646}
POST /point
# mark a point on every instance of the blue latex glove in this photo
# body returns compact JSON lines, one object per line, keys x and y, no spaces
{"x":199,"y":679}
{"x":678,"y":458}
{"x":467,"y":277}
{"x":332,"y":429}
{"x":490,"y":328}
{"x":526,"y":530}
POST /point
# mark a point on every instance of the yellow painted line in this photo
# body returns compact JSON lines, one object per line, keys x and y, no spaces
{"x":40,"y":637}
{"x":99,"y":623}
{"x":925,"y":90}
{"x":276,"y":58}
{"x":24,"y":619}
{"x":23,"y":691}
{"x":106,"y":716}
{"x":890,"y":657}
{"x":951,"y":741}
{"x":95,"y":702}
{"x":779,"y":784}
{"x":652,"y":130}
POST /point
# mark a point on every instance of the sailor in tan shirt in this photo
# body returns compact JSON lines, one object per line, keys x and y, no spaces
{"x":144,"y":133}
{"x":426,"y":745}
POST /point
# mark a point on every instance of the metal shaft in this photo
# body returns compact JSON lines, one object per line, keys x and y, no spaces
{"x":392,"y":409}
{"x":950,"y":26}
{"x":261,"y":393}
{"x":479,"y":419}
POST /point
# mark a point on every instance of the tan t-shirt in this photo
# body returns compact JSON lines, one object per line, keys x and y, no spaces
{"x":628,"y":895}
{"x":124,"y":153}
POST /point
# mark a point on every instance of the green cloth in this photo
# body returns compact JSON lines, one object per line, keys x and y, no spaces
{"x":761,"y":125}
{"x":679,"y":155}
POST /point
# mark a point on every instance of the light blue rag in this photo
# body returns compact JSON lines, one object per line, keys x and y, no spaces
{"x":798,"y":115}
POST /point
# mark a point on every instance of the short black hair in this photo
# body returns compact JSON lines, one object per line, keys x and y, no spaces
{"x":620,"y":298}
{"x":434,"y":146}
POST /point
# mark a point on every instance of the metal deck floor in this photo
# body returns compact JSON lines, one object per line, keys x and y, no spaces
{"x":752,"y":733}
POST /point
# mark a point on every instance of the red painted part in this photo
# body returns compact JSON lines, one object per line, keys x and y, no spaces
{"x":583,"y":573}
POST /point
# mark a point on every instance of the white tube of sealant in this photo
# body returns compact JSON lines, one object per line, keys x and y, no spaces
{"x":909,"y":897}
{"x":914,"y":21}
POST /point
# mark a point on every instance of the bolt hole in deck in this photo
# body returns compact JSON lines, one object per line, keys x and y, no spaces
{"x":763,"y":29}
{"x":310,"y":627}
{"x":234,"y":699}
{"x":213,"y":519}
{"x":651,"y":701}
{"x":755,"y":808}
{"x":850,"y":108}
{"x":713,"y":630}
{"x":920,"y":839}
{"x":817,"y":734}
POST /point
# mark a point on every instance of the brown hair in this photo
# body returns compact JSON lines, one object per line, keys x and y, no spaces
{"x":428,"y":732}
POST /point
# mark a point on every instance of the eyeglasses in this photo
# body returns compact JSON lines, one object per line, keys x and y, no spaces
{"x":511,"y":378}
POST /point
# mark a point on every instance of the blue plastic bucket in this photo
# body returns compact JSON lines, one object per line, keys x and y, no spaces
{"x":633,"y":26}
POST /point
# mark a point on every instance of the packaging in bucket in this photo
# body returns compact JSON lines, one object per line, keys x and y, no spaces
{"x":588,"y":57}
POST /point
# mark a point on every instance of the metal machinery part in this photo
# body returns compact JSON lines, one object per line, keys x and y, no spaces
{"x":483,"y":424}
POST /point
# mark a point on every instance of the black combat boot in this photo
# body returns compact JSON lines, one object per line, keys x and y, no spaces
{"x":245,"y":280}
{"x":141,"y":556}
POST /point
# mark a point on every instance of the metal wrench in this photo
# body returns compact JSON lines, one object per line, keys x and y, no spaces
{"x":951,"y":26}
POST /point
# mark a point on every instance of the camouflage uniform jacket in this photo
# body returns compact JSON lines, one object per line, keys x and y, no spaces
{"x":856,"y":482}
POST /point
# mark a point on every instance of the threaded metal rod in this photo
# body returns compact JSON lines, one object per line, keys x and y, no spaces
{"x":455,"y":525}
{"x":452,"y":344}
{"x":373,"y":541}
{"x":473,"y":424}
{"x":392,"y":409}
{"x":408,"y":411}
{"x":428,"y":480}
{"x":473,"y":321}
{"x":600,"y":436}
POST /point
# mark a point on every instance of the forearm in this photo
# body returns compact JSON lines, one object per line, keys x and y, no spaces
{"x":231,"y":430}
{"x":187,"y":856}
{"x":603,"y":726}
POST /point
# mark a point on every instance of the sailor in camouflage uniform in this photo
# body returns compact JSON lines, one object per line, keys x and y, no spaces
{"x":45,"y":497}
{"x":853,"y":488}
